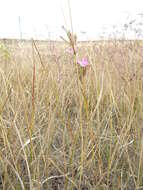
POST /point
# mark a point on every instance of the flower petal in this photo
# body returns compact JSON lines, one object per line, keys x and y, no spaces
{"x":83,"y":62}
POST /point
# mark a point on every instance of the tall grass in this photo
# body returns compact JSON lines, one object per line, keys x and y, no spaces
{"x":53,"y":135}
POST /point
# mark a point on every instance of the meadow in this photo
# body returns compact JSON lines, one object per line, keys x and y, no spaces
{"x":58,"y":132}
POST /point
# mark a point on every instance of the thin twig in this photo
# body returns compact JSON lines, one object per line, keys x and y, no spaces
{"x":34,"y":44}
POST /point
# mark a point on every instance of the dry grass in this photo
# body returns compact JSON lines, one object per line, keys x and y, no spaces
{"x":52,"y":137}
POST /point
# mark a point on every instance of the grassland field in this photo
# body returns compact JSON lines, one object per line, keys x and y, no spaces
{"x":59,"y":134}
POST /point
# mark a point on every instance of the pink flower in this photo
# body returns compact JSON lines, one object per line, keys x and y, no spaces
{"x":83,"y":62}
{"x":69,"y":50}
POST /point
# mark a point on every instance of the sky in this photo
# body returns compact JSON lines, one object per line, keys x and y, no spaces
{"x":43,"y":19}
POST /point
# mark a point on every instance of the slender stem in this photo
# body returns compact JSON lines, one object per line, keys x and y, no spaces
{"x":69,"y":6}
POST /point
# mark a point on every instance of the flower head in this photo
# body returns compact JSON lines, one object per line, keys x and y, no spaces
{"x":83,"y":62}
{"x":70,"y":51}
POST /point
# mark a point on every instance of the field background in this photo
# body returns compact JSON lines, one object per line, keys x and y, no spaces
{"x":56,"y":133}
